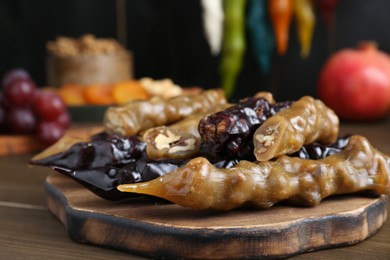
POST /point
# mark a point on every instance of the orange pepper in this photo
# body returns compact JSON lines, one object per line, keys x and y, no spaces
{"x":126,"y":91}
{"x":281,"y":12}
{"x":72,"y":94}
{"x":99,"y":94}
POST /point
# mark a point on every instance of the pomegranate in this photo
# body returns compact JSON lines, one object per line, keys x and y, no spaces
{"x":355,"y":83}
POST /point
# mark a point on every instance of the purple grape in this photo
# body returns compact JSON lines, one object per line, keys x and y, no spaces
{"x":64,"y":120}
{"x":2,"y":120}
{"x":20,"y":92}
{"x":21,"y":120}
{"x":14,"y":74}
{"x":49,"y":105}
{"x":49,"y":132}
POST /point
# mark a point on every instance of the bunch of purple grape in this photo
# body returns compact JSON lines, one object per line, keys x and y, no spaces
{"x":25,"y":109}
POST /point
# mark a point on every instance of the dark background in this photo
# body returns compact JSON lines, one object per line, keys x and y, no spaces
{"x":167,"y":40}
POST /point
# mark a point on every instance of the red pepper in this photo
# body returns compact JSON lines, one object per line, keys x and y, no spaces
{"x":281,"y":12}
{"x":327,"y":8}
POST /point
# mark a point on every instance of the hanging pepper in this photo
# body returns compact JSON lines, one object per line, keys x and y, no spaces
{"x":213,"y":23}
{"x":327,"y":8}
{"x":305,"y":18}
{"x":281,"y":13}
{"x":261,"y":33}
{"x":233,"y":46}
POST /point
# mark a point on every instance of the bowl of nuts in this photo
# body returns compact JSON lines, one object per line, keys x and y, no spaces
{"x":87,"y":60}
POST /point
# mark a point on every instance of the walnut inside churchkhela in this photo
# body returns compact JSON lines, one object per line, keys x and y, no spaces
{"x":229,"y":132}
{"x":305,"y":121}
{"x":165,"y":143}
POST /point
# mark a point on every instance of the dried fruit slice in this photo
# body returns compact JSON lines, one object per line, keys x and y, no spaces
{"x":126,"y":91}
{"x":72,"y":94}
{"x":99,"y":94}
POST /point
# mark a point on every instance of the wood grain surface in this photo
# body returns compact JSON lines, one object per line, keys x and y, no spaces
{"x":163,"y":230}
{"x":24,"y":144}
{"x":18,"y":144}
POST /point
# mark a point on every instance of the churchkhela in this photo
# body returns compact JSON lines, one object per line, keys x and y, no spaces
{"x":102,"y":150}
{"x":207,"y":147}
{"x":140,"y":115}
{"x":306,"y":121}
{"x":230,"y":132}
{"x":199,"y":185}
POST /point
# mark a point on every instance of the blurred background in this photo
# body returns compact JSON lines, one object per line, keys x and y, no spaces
{"x":167,"y":40}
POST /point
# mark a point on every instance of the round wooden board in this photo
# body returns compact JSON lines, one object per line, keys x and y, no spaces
{"x":160,"y":229}
{"x":18,"y":144}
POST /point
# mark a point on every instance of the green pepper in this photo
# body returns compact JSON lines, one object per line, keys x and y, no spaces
{"x":305,"y":18}
{"x":233,"y":45}
{"x":262,"y":37}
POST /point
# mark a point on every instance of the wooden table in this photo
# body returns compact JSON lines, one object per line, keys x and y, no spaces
{"x":29,"y":231}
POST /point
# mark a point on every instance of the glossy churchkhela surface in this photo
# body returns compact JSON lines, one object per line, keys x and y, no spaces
{"x":199,"y":185}
{"x":137,"y":116}
{"x":307,"y":120}
{"x":229,"y":132}
{"x":103,"y":181}
{"x":102,"y":150}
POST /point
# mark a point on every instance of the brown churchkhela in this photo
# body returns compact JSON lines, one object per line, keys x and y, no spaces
{"x":199,"y":185}
{"x":180,"y":140}
{"x":306,"y":121}
{"x":137,"y":116}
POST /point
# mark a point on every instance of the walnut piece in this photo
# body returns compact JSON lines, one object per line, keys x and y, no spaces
{"x":164,"y":88}
{"x":169,"y":143}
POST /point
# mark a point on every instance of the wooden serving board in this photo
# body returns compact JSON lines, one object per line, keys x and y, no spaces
{"x":160,"y":229}
{"x":23,"y":144}
{"x":18,"y":144}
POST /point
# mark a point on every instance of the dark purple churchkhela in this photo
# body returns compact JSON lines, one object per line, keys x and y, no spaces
{"x":103,"y":180}
{"x":316,"y":151}
{"x":102,"y":150}
{"x":229,"y":132}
